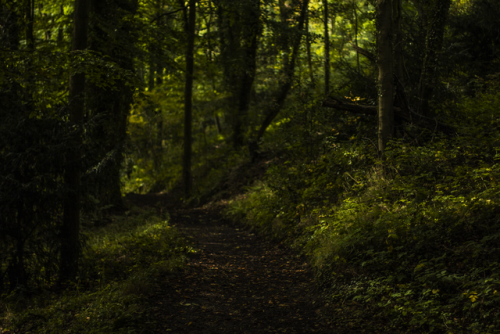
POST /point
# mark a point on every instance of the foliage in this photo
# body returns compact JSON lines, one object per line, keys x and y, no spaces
{"x":34,"y":135}
{"x":413,"y":240}
{"x":122,"y":265}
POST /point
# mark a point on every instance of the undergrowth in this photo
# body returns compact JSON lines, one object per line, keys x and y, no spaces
{"x":409,"y":243}
{"x":122,"y":265}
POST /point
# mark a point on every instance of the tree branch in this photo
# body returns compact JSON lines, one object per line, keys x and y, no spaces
{"x":400,"y":114}
{"x":165,"y":14}
{"x":370,"y":56}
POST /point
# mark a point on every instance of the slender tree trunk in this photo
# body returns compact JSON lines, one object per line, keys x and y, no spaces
{"x":250,"y":33}
{"x":327,"y":47}
{"x":385,"y":62}
{"x":355,"y":10}
{"x":157,"y":146}
{"x":152,"y":63}
{"x":30,"y":18}
{"x":159,"y":123}
{"x":29,"y":7}
{"x":70,"y":247}
{"x":60,"y":34}
{"x":188,"y":97}
{"x":308,"y":49}
{"x":400,"y":99}
{"x":433,"y":46}
{"x":398,"y":42}
{"x":286,"y":84}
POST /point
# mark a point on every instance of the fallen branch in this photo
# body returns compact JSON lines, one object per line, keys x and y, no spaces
{"x":400,"y":115}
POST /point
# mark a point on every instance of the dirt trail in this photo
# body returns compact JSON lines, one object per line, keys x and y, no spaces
{"x":237,"y":283}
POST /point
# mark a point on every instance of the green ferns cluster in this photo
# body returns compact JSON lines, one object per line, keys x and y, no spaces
{"x":412,"y":240}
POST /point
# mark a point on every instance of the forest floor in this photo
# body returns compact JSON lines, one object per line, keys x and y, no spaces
{"x":237,"y":282}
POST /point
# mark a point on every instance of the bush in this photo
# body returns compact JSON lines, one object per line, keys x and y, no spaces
{"x":412,"y":240}
{"x":122,"y":266}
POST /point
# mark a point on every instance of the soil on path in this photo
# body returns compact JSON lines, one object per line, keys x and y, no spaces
{"x":238,"y":282}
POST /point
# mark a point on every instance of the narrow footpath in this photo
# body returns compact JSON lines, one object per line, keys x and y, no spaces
{"x":237,"y":283}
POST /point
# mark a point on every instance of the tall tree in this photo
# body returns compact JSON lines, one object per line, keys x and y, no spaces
{"x":385,"y":62}
{"x":112,"y":35}
{"x":327,"y":47}
{"x":308,"y":50}
{"x":70,"y":247}
{"x":239,"y":29}
{"x":438,"y":11}
{"x":250,"y":13}
{"x":189,"y":28}
{"x":285,"y":83}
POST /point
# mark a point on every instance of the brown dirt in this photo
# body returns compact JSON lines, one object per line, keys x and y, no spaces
{"x":238,"y":282}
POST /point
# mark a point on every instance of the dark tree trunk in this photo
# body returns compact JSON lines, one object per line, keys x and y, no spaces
{"x":70,"y":231}
{"x":385,"y":60}
{"x":433,"y":46}
{"x":159,"y":123}
{"x":111,"y":104}
{"x":250,"y":32}
{"x":30,"y":18}
{"x":60,"y":34}
{"x":286,"y":84}
{"x":189,"y":27}
{"x":327,"y":48}
{"x":308,"y":50}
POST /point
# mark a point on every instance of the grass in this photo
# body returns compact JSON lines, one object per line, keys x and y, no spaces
{"x":121,"y":267}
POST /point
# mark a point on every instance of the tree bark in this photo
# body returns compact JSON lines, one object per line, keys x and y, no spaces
{"x":250,"y":14}
{"x":30,"y":20}
{"x":111,"y":102}
{"x":308,"y":50}
{"x":327,"y":47}
{"x":433,"y":46}
{"x":385,"y":61}
{"x":189,"y":27}
{"x":398,"y":42}
{"x":70,"y":231}
{"x":286,"y":84}
{"x":355,"y":11}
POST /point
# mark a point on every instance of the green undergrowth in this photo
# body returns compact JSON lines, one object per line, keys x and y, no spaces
{"x":410,"y":244}
{"x":122,"y":266}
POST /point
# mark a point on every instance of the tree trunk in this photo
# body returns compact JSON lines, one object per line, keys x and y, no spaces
{"x":30,"y":20}
{"x":60,"y":33}
{"x":285,"y":85}
{"x":159,"y":124}
{"x":385,"y":62}
{"x":327,"y":48}
{"x":250,"y":14}
{"x":111,"y":102}
{"x":70,"y":231}
{"x":398,"y":42}
{"x":433,"y":46}
{"x":355,"y":10}
{"x":189,"y":27}
{"x":400,"y":99}
{"x":308,"y":49}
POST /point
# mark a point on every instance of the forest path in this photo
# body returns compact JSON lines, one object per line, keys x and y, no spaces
{"x":238,"y":282}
